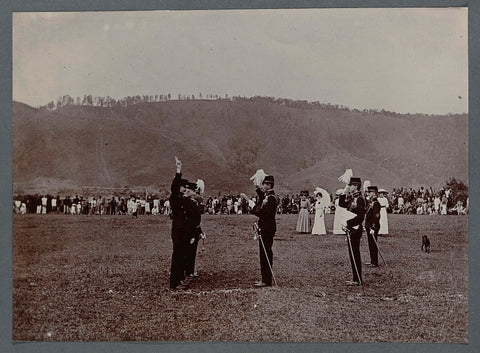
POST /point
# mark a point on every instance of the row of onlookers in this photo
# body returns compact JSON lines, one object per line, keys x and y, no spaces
{"x":400,"y":201}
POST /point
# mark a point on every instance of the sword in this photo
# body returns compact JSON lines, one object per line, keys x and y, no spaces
{"x":347,"y":231}
{"x":376,"y":243}
{"x":258,"y":233}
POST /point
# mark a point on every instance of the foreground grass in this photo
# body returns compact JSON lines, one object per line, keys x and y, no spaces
{"x":105,"y":278}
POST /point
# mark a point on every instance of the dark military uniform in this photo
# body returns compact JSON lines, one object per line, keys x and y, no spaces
{"x":265,"y":210}
{"x":355,"y":204}
{"x":372,"y":226}
{"x":194,"y":232}
{"x":183,"y":219}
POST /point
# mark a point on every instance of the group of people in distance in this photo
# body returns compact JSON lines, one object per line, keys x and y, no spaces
{"x":321,"y":203}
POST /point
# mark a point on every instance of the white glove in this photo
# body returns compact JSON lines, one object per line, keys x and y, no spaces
{"x":178,"y":163}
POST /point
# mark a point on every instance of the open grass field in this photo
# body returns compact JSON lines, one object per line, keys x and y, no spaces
{"x":105,"y":278}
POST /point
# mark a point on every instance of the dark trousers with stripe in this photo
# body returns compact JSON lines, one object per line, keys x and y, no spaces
{"x":355,"y":235}
{"x":177,"y":269}
{"x":191,"y":254}
{"x":267,"y":238}
{"x":372,"y":245}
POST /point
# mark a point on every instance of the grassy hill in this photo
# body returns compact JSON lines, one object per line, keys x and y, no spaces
{"x":225,"y":141}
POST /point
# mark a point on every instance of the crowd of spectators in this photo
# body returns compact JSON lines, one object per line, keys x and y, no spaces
{"x":99,"y":205}
{"x":424,"y":201}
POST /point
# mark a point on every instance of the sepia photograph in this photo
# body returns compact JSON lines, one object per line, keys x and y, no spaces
{"x":243,"y":175}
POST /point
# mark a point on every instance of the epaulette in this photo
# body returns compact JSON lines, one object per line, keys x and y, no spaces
{"x":357,"y":194}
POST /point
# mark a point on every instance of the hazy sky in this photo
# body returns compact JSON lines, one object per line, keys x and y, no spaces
{"x":403,"y":60}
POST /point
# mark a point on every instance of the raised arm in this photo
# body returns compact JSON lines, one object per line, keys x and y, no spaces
{"x":175,"y":188}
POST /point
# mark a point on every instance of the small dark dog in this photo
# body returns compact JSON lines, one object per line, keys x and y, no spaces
{"x":425,"y":243}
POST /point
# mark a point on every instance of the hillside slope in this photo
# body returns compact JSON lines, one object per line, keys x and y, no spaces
{"x":224,"y":142}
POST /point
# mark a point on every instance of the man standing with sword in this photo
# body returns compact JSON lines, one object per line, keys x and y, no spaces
{"x":265,"y":209}
{"x":354,"y":202}
{"x":372,"y":225}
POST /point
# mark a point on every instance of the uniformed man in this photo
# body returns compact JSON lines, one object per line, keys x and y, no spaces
{"x":182,"y":208}
{"x":372,"y":224}
{"x":354,"y":202}
{"x":193,"y":191}
{"x":265,"y":209}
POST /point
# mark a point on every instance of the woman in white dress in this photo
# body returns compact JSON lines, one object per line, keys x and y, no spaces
{"x":339,"y":217}
{"x":156,"y":207}
{"x":166,"y":208}
{"x":382,"y":199}
{"x":303,"y":223}
{"x":23,"y":208}
{"x":147,"y":207}
{"x":323,"y":201}
{"x":444,"y":205}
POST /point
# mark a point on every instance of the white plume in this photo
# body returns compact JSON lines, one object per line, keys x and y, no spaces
{"x":200,"y":186}
{"x":258,"y":177}
{"x":345,"y":177}
{"x":366,"y":184}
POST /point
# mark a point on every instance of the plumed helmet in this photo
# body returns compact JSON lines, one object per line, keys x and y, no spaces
{"x":345,"y":177}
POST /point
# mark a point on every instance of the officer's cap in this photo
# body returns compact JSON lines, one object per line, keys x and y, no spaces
{"x":355,"y":181}
{"x":269,"y":179}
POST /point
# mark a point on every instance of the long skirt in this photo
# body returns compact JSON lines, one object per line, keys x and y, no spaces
{"x":383,"y":221}
{"x":303,"y":223}
{"x":319,"y":224}
{"x":339,"y":220}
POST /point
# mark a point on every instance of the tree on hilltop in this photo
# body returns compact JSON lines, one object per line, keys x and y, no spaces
{"x":459,"y":191}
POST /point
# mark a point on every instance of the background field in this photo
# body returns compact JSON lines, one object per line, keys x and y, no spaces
{"x":105,"y":278}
